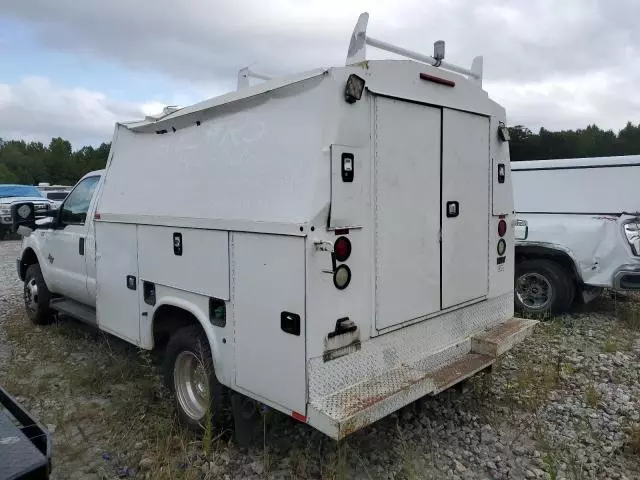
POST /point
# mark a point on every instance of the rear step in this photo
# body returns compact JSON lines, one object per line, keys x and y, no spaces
{"x":502,"y":338}
{"x":74,"y":309}
{"x":361,"y":404}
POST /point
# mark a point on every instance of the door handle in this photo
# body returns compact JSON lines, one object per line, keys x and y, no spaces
{"x":453,"y":209}
{"x":81,"y":246}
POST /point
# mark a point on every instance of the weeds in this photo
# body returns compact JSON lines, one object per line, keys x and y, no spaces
{"x":409,"y":471}
{"x":610,"y":346}
{"x":592,"y":397}
{"x":551,"y":465}
{"x":634,"y":439}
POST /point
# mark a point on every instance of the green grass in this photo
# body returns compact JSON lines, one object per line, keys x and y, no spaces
{"x":610,"y":346}
{"x":592,"y":397}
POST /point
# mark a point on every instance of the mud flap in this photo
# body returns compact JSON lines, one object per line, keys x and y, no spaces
{"x":246,"y":420}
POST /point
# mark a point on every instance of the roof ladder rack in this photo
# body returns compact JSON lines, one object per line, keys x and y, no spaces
{"x":359,"y":40}
{"x":244,"y":74}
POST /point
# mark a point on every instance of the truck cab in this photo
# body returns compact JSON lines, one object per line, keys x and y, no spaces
{"x":64,"y":246}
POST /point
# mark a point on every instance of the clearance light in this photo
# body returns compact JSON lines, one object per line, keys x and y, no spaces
{"x":342,"y":277}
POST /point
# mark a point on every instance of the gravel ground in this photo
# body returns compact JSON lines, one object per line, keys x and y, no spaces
{"x":563,"y":405}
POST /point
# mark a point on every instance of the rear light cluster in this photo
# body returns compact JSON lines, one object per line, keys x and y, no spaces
{"x":341,"y":273}
{"x":632,"y":232}
{"x":502,"y":230}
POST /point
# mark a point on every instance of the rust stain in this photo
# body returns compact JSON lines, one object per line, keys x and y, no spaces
{"x":501,"y":332}
{"x":460,"y":369}
{"x":353,"y":403}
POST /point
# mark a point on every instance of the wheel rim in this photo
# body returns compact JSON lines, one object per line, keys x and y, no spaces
{"x":191,"y":385}
{"x":31,"y":295}
{"x":534,"y":291}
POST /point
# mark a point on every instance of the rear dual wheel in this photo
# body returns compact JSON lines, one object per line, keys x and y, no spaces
{"x":189,"y":374}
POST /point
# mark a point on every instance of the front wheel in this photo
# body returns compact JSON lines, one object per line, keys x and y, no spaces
{"x":37,"y":296}
{"x":542,"y":287}
{"x":190,"y":376}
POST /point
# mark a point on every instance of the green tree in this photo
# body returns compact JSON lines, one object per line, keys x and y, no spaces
{"x":6,"y":175}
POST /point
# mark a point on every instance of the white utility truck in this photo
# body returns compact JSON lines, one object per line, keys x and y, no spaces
{"x":582,"y":232}
{"x":338,"y":243}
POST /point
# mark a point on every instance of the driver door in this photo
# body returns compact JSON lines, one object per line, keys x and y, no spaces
{"x":66,"y":244}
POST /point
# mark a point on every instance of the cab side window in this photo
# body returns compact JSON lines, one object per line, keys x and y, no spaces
{"x":75,"y":207}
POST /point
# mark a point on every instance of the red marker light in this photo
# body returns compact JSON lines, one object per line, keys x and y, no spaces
{"x":439,"y":80}
{"x":502,"y":228}
{"x":342,"y":249}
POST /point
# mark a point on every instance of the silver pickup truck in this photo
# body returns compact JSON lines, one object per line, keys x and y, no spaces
{"x":578,"y":230}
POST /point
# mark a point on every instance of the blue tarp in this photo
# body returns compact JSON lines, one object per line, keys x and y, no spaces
{"x":19,"y":191}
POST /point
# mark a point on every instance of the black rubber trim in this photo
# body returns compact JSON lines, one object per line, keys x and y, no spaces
{"x":582,"y":167}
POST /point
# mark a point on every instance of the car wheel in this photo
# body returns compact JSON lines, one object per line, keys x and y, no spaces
{"x":37,"y":296}
{"x":542,"y":287}
{"x":190,"y":376}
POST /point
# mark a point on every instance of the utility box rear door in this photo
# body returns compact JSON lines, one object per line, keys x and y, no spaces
{"x":466,"y":173}
{"x":407,"y":210}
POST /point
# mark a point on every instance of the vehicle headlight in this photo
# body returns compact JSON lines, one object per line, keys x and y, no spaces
{"x":632,"y":232}
{"x":5,"y":209}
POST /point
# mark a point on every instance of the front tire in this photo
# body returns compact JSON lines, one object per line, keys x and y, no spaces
{"x":190,"y":376}
{"x":542,"y":287}
{"x":37,"y":296}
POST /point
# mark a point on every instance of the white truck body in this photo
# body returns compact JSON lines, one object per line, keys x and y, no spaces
{"x":587,"y":210}
{"x":260,"y":194}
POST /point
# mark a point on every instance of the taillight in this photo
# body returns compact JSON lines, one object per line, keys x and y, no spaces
{"x":632,"y":232}
{"x":502,"y":228}
{"x":342,"y":249}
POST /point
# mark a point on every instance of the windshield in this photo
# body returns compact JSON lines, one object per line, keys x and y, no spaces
{"x":7,"y":191}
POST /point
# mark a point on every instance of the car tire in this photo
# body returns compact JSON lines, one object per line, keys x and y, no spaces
{"x":190,"y":376}
{"x":37,"y":296}
{"x":542,"y":287}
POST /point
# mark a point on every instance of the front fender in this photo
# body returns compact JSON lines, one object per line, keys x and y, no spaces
{"x":32,"y":250}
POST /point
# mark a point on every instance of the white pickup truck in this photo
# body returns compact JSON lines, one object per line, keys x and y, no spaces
{"x":315,"y":255}
{"x":582,"y":231}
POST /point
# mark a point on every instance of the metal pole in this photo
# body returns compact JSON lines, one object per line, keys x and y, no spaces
{"x":419,"y":57}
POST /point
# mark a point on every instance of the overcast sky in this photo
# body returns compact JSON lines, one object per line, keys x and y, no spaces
{"x":73,"y":68}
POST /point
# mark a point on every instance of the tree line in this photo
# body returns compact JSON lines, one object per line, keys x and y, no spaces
{"x":57,"y":163}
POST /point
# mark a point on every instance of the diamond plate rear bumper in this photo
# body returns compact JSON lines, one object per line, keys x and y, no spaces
{"x":342,"y":412}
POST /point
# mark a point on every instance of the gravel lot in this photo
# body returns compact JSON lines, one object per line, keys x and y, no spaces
{"x":565,"y":405}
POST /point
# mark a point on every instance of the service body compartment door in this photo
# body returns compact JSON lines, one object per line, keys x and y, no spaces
{"x":118,"y":308}
{"x":269,"y":313}
{"x":465,"y":207}
{"x":407,"y":211}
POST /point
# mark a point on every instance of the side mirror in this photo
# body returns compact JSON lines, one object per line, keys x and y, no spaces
{"x":23,"y":215}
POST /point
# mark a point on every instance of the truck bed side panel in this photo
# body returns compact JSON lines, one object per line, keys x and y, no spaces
{"x":268,"y":284}
{"x":200,"y":264}
{"x":116,"y":259}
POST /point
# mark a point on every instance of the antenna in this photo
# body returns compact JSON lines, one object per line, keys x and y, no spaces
{"x":358,"y":52}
